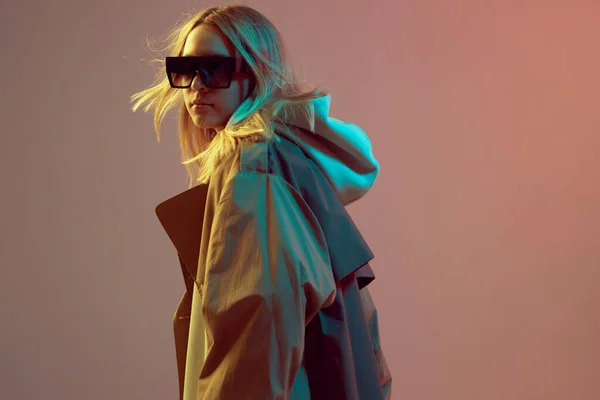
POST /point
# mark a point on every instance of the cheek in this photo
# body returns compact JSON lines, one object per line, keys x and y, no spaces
{"x":232,"y":98}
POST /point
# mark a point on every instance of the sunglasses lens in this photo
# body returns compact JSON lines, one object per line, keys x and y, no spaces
{"x":215,"y":72}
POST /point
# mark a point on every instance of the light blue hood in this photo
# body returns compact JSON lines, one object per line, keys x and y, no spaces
{"x":341,"y":150}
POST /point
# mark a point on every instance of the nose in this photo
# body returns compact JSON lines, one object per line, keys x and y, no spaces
{"x":197,"y":83}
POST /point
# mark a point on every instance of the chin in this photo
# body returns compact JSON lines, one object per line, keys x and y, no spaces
{"x":205,"y":123}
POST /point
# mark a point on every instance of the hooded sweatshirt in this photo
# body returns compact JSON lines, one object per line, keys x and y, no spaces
{"x":341,"y":150}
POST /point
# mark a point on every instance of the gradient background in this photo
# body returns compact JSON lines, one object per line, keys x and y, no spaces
{"x":485,"y":219}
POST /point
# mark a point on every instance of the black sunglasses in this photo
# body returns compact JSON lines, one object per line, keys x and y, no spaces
{"x":215,"y":71}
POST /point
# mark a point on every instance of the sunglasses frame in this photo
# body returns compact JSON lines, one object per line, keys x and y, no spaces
{"x":237,"y":64}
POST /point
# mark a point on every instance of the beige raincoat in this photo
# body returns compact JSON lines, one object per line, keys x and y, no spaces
{"x":276,"y":304}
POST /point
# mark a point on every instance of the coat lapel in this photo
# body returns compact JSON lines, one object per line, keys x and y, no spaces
{"x":182,"y":218}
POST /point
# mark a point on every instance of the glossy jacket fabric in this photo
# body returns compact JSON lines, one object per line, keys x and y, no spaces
{"x":276,"y":303}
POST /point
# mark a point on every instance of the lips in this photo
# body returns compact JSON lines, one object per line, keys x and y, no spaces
{"x":201,"y":102}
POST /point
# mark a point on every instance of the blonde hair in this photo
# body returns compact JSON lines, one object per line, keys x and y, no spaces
{"x":277,"y":95}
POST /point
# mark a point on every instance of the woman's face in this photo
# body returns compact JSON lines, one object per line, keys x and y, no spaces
{"x":207,"y":40}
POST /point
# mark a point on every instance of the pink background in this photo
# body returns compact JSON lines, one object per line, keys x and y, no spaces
{"x":485,"y":219}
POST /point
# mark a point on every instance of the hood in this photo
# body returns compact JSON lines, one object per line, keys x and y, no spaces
{"x":341,"y":150}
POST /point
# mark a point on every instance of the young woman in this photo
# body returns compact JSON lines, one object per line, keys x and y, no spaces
{"x":277,"y":306}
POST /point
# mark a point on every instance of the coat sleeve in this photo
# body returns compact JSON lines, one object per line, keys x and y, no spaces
{"x":267,"y":274}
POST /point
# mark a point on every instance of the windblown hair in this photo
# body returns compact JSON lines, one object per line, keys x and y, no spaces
{"x":277,"y":95}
